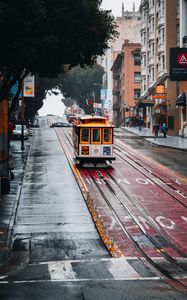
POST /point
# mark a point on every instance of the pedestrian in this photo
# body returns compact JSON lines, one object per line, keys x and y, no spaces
{"x":164,"y":129}
{"x":156,"y":130}
{"x":11,"y":128}
{"x":140,"y":123}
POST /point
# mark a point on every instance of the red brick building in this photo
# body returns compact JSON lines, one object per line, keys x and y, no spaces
{"x":126,"y":82}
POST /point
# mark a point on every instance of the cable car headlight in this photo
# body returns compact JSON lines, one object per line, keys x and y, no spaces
{"x":95,"y":151}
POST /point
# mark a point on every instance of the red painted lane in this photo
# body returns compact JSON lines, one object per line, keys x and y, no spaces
{"x":168,"y":214}
{"x":118,"y":236}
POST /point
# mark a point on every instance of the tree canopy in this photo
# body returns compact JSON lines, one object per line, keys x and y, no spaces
{"x":83,"y":85}
{"x":39,"y":37}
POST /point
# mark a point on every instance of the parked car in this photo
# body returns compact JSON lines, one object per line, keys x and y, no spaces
{"x":61,"y":124}
{"x":17,"y":132}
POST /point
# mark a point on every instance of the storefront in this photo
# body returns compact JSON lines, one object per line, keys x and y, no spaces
{"x":181,"y":104}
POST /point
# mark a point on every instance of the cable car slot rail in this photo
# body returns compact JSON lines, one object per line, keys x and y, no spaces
{"x":171,"y":279}
{"x":172,"y":189}
{"x":152,"y":166}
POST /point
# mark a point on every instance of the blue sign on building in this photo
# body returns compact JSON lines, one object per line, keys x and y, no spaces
{"x":103,"y":94}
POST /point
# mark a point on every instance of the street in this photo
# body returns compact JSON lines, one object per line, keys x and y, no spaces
{"x":68,"y":246}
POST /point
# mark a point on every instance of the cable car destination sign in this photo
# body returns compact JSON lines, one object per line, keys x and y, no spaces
{"x":178,"y":64}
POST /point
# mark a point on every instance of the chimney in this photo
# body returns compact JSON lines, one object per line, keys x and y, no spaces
{"x":123,"y":11}
{"x":133,"y":7}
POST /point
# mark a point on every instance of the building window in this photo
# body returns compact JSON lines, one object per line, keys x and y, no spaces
{"x":161,"y":63}
{"x":152,"y":3}
{"x":151,"y":49}
{"x":136,"y":93}
{"x":143,"y":84}
{"x":161,"y":36}
{"x":151,"y":24}
{"x":144,"y":60}
{"x":161,"y":9}
{"x":151,"y":75}
{"x":143,"y":15}
{"x":137,"y":77}
{"x":137,"y":59}
{"x":143,"y":38}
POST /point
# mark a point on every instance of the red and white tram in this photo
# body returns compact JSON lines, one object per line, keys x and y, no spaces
{"x":93,"y":140}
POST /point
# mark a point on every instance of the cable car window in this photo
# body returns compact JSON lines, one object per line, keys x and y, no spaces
{"x":107,"y":136}
{"x":85,"y":135}
{"x":96,"y":135}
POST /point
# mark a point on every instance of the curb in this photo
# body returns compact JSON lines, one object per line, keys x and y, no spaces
{"x":8,"y":239}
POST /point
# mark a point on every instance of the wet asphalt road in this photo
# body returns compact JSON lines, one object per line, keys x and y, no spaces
{"x":58,"y":252}
{"x":173,"y":159}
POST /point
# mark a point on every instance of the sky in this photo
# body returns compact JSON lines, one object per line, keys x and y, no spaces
{"x":115,"y":5}
{"x":53,"y":104}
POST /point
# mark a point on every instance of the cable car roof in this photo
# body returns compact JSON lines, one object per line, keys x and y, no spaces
{"x":92,"y":121}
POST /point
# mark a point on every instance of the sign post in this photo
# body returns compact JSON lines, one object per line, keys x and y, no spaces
{"x":28,"y":91}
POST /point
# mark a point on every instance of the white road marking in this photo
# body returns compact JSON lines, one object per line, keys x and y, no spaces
{"x":81,"y":280}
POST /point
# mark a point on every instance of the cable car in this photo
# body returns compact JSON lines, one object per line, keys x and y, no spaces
{"x":93,"y":141}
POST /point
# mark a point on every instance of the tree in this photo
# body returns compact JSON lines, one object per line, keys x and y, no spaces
{"x":39,"y":37}
{"x":81,"y":84}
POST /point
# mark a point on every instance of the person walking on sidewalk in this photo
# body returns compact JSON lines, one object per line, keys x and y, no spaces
{"x":156,"y":130}
{"x":140,"y":123}
{"x":164,"y":129}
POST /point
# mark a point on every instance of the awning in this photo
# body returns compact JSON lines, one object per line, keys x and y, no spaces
{"x":146,"y":103}
{"x":181,"y":100}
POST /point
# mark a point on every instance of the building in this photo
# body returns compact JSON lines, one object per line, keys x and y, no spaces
{"x":128,"y":26}
{"x":160,"y":31}
{"x":126,"y":83}
{"x":183,"y":85}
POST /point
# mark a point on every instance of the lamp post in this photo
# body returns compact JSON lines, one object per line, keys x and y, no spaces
{"x":22,"y":120}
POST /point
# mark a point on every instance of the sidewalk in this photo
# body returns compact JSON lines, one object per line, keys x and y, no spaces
{"x":9,"y":202}
{"x":175,"y":142}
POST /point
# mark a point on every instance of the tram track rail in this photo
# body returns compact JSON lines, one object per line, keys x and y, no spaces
{"x":173,"y":280}
{"x":152,"y":166}
{"x":176,"y":281}
{"x":132,"y":200}
{"x":173,"y":189}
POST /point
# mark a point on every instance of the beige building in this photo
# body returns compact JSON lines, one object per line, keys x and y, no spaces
{"x":129,"y":29}
{"x":160,"y":31}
